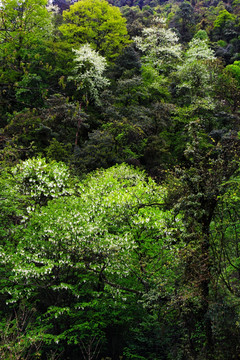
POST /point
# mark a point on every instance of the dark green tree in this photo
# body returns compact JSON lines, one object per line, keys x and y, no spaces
{"x":196,"y":196}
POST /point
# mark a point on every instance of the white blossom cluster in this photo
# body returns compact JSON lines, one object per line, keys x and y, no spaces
{"x":159,"y":45}
{"x":195,"y":74}
{"x":88,"y":72}
{"x":199,"y":50}
{"x":41,"y":180}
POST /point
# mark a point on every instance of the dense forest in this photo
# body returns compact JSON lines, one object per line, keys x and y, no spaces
{"x":120,"y":182}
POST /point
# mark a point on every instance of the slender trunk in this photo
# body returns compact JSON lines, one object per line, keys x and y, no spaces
{"x":204,"y":288}
{"x":78,"y":125}
{"x":205,"y":282}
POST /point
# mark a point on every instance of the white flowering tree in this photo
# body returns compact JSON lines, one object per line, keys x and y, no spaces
{"x":41,"y":181}
{"x":195,"y":75}
{"x":25,"y":187}
{"x":85,"y":261}
{"x":88,"y":73}
{"x":161,"y":53}
{"x":160,"y":47}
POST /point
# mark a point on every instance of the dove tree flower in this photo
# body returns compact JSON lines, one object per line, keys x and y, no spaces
{"x":88,"y":73}
{"x":160,"y":47}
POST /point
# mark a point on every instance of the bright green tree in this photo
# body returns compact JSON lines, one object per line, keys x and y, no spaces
{"x":98,"y":23}
{"x":84,"y":261}
{"x":24,"y":26}
{"x":234,"y":70}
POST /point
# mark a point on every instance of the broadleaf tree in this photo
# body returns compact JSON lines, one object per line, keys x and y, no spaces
{"x":98,"y":23}
{"x":24,"y":26}
{"x":160,"y":47}
{"x":80,"y":256}
{"x":88,"y":73}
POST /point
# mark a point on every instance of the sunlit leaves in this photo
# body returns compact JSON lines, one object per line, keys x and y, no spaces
{"x":234,"y":70}
{"x":116,"y":228}
{"x":225,"y":234}
{"x":84,"y":255}
{"x":23,"y":21}
{"x":23,"y":24}
{"x":98,"y":23}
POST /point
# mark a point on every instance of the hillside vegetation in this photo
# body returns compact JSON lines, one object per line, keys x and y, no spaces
{"x":120,"y":182}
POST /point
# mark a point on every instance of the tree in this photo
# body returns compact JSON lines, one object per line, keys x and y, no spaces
{"x":137,"y":19}
{"x":160,"y":47}
{"x":24,"y":25}
{"x":227,"y":89}
{"x":184,"y":21}
{"x":84,"y":262}
{"x":227,"y":227}
{"x":197,"y":195}
{"x":234,"y":70}
{"x":98,"y":23}
{"x":195,"y":74}
{"x":41,"y":181}
{"x":88,"y":73}
{"x":88,"y":76}
{"x":225,"y":26}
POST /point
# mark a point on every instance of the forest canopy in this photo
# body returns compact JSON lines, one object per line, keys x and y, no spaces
{"x":119,"y":182}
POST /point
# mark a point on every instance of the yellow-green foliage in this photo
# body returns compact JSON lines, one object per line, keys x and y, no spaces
{"x":98,"y":23}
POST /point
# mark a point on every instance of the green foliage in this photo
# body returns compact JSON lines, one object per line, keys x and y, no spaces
{"x":97,"y":23}
{"x":23,"y":130}
{"x":97,"y":151}
{"x":24,"y":27}
{"x":223,"y":18}
{"x":58,"y":151}
{"x":226,"y":230}
{"x":225,"y":26}
{"x":11,"y":206}
{"x":18,"y":339}
{"x":227,"y":88}
{"x":202,"y":35}
{"x":198,"y":188}
{"x":234,"y":69}
{"x":184,"y":21}
{"x":30,"y":88}
{"x":92,"y":253}
{"x":118,"y":266}
{"x":195,"y":74}
{"x":62,"y":117}
{"x":157,"y":85}
{"x":23,"y":23}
